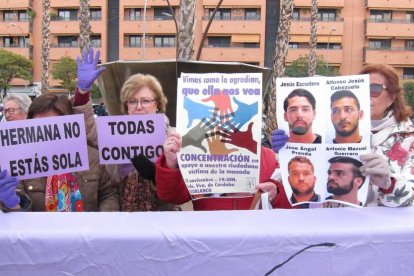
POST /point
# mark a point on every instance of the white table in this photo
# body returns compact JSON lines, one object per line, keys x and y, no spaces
{"x":370,"y":241}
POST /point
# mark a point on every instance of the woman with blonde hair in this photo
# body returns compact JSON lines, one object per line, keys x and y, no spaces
{"x":140,"y":94}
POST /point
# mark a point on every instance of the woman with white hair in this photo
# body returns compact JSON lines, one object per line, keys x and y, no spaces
{"x":16,"y":107}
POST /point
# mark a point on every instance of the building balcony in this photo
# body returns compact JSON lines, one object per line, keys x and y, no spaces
{"x":56,"y":51}
{"x":302,"y":27}
{"x":237,"y":25}
{"x":14,"y":28}
{"x":394,"y":56}
{"x":152,"y":26}
{"x":19,"y":49}
{"x":151,"y":53}
{"x":64,"y":27}
{"x":331,"y":56}
{"x":150,"y":3}
{"x":16,"y":4}
{"x":321,"y":3}
{"x":72,"y":27}
{"x":236,"y":3}
{"x":398,"y":28}
{"x":247,"y":55}
{"x":388,"y":5}
{"x":74,"y":4}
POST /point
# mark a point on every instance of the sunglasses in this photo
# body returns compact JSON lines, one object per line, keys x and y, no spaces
{"x":376,"y":89}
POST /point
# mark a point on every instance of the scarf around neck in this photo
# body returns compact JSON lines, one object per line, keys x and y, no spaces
{"x":381,"y":129}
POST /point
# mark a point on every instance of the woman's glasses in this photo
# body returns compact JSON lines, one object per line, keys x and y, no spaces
{"x":376,"y":89}
{"x":144,"y":102}
{"x":11,"y":110}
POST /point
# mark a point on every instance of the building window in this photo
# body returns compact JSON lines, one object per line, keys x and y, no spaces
{"x":162,"y":13}
{"x":408,"y":73}
{"x":96,"y":14}
{"x":8,"y":41}
{"x":252,"y":14}
{"x":8,"y":16}
{"x":293,"y":45}
{"x":133,"y":14}
{"x":219,"y":41}
{"x":296,"y":14}
{"x":23,"y":16}
{"x":251,"y":45}
{"x":380,"y":16}
{"x":96,"y":41}
{"x":379,"y":43}
{"x":327,"y":15}
{"x":410,"y":16}
{"x":68,"y":15}
{"x":221,"y":14}
{"x":67,"y":41}
{"x":134,"y":41}
{"x":22,"y":41}
{"x":334,"y":46}
{"x":409,"y":44}
{"x":164,"y":41}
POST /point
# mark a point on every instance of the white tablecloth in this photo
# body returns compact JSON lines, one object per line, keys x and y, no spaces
{"x":370,"y":241}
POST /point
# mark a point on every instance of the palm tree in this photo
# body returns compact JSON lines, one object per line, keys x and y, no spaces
{"x":84,"y":26}
{"x":45,"y":46}
{"x":313,"y":38}
{"x":279,"y":64}
{"x":185,"y":35}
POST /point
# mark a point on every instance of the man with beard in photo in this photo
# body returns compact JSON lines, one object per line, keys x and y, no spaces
{"x":345,"y":116}
{"x":299,"y":107}
{"x":302,"y":181}
{"x":344,"y":179}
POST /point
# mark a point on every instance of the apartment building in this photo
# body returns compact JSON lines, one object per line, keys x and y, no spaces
{"x":351,"y":33}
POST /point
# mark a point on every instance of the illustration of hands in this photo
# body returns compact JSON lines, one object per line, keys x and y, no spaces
{"x":239,"y":138}
{"x":196,"y":135}
{"x":222,"y":103}
{"x":242,"y":115}
{"x":87,"y":72}
{"x":216,"y":146}
{"x":196,"y":110}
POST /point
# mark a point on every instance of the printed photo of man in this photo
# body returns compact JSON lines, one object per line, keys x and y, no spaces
{"x":345,"y":116}
{"x":302,"y":181}
{"x":345,"y":179}
{"x":299,"y":107}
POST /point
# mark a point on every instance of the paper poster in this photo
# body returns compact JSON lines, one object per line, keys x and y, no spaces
{"x":123,"y":137}
{"x":219,"y":119}
{"x":327,"y":120}
{"x":42,"y":147}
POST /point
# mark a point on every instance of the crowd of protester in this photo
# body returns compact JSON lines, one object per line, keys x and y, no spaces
{"x":144,"y":186}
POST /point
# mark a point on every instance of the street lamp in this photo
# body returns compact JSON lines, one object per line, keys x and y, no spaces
{"x":144,"y":31}
{"x":333,"y":29}
{"x":329,"y":36}
{"x":21,"y":31}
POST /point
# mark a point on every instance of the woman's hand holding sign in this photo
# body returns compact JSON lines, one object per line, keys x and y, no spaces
{"x":172,"y":145}
{"x":268,"y":187}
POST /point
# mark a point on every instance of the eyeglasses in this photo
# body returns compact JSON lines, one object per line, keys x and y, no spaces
{"x":376,"y":89}
{"x":11,"y":110}
{"x":144,"y":102}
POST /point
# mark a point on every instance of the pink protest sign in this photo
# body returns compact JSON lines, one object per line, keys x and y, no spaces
{"x":42,"y":147}
{"x":123,"y":137}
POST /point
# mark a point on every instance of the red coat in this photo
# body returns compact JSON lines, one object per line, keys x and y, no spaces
{"x":171,"y":187}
